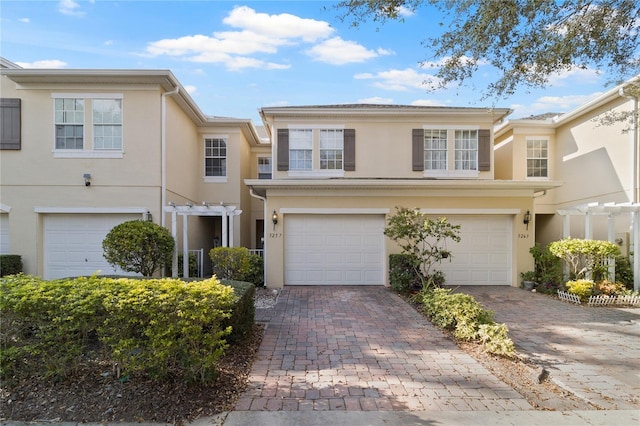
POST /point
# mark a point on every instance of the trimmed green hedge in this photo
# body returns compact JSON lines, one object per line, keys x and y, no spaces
{"x":468,"y":320}
{"x":156,"y":327}
{"x":10,"y":264}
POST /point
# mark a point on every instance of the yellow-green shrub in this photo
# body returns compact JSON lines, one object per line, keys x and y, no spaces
{"x":581,"y":288}
{"x":468,"y":320}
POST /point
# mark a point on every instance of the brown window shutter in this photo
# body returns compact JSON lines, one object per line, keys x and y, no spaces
{"x":417,"y":150}
{"x":349,"y":150}
{"x":283,"y":150}
{"x":10,"y":123}
{"x":484,"y":150}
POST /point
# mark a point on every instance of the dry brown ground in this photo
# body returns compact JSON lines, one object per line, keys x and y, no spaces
{"x":95,"y":395}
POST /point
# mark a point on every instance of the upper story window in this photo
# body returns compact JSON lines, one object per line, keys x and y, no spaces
{"x":88,"y":125}
{"x":69,"y":122}
{"x":107,"y":123}
{"x":264,"y":168}
{"x":435,"y":149}
{"x":323,"y":151}
{"x":331,"y":147}
{"x":537,"y":158}
{"x":215,"y":158}
{"x":450,"y":152}
{"x":466,"y":150}
{"x":301,"y":149}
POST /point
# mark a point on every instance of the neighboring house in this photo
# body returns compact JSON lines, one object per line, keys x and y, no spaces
{"x":340,"y":171}
{"x":597,"y":163}
{"x":84,"y":150}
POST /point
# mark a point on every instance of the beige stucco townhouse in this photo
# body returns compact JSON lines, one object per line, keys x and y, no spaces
{"x":597,"y":163}
{"x":340,"y":171}
{"x":84,"y":150}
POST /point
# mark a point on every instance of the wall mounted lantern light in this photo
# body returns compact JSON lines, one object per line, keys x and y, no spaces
{"x":87,"y":179}
{"x":274,"y":219}
{"x":527,"y":219}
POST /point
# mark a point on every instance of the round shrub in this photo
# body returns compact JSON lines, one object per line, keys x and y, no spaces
{"x":138,"y":246}
{"x":581,"y":288}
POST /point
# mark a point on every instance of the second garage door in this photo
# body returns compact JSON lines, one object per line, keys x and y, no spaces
{"x":483,"y":256}
{"x":334,"y":249}
{"x":73,"y":244}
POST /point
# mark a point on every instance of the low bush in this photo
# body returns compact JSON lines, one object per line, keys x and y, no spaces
{"x":581,"y":288}
{"x":230,"y":263}
{"x":154,"y":327}
{"x":624,"y":272}
{"x":193,"y":266}
{"x":243,"y":314}
{"x":403,"y":276}
{"x":466,"y":318}
{"x":255,"y":272}
{"x":10,"y":264}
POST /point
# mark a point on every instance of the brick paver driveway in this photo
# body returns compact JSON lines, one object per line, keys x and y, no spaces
{"x":364,"y":348}
{"x":593,"y":351}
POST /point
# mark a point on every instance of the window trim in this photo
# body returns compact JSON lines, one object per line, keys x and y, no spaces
{"x":215,"y":179}
{"x":87,"y":152}
{"x":316,"y":171}
{"x":537,"y":138}
{"x":450,"y":172}
{"x":258,"y":158}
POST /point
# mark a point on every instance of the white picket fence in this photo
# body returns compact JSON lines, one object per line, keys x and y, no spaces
{"x":601,"y":300}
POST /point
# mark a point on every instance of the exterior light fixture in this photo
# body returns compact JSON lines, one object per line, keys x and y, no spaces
{"x":189,"y":204}
{"x":148,"y":216}
{"x":87,"y":179}
{"x":274,"y":219}
{"x":527,"y":219}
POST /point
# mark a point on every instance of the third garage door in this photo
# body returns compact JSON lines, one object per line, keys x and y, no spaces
{"x":334,"y":249}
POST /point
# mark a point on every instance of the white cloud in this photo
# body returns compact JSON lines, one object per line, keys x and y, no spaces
{"x":428,"y":102}
{"x":376,"y":100}
{"x":400,"y":80}
{"x":337,"y":51}
{"x":44,"y":64}
{"x":70,"y":7}
{"x":575,"y":76}
{"x":192,"y":90}
{"x":544,"y":104}
{"x":284,"y":26}
{"x":439,"y":63}
{"x":24,"y":20}
{"x":405,"y":11}
{"x":259,"y":33}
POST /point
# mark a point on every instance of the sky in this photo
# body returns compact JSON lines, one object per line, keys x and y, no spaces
{"x":235,"y":57}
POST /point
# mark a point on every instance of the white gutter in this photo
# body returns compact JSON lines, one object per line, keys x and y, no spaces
{"x":163,"y":138}
{"x":264,"y":234}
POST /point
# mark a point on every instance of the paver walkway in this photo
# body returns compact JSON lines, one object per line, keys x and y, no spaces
{"x":363,"y":348}
{"x":593,"y":351}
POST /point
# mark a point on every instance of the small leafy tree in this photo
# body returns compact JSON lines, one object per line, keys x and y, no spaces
{"x":585,"y":256}
{"x":422,"y":238}
{"x":138,"y":246}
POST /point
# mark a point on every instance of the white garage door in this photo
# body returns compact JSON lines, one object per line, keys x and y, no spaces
{"x":334,"y":249}
{"x":73,"y":244}
{"x":4,"y":233}
{"x":483,"y":256}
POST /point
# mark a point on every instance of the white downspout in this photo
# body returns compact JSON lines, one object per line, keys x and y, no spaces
{"x":636,"y":147}
{"x":163,"y":139}
{"x":264,"y":236}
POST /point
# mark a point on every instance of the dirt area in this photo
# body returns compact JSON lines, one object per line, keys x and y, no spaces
{"x":93,"y":394}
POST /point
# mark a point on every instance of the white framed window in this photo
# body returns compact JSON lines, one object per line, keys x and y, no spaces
{"x":265,"y":169}
{"x":215,"y":158}
{"x":465,"y":150}
{"x":331,"y":149}
{"x":537,"y":158}
{"x":69,"y":123}
{"x":88,"y":125}
{"x":301,"y":149}
{"x":435,"y":149}
{"x":107,"y":123}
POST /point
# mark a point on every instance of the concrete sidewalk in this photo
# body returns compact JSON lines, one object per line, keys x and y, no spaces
{"x":594,"y":352}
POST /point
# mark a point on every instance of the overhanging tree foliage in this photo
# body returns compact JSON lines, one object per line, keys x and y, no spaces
{"x":526,"y":41}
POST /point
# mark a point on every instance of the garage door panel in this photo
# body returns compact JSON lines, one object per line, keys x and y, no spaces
{"x":72,"y":244}
{"x":348,"y":248}
{"x":483,"y":256}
